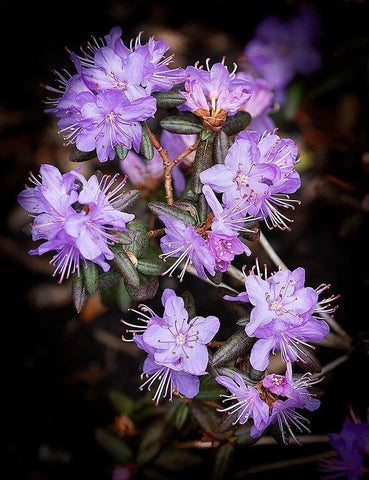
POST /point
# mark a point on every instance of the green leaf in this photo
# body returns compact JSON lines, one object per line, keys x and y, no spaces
{"x":139,"y":239}
{"x":151,"y":266}
{"x":90,"y":277}
{"x":146,"y":289}
{"x":229,"y":372}
{"x":187,"y":206}
{"x":242,"y":434}
{"x":128,"y":201}
{"x":79,"y":292}
{"x":203,"y":161}
{"x":184,"y":124}
{"x":235,"y":123}
{"x":146,"y":147}
{"x":256,"y":374}
{"x":189,"y":304}
{"x":207,"y":418}
{"x":169,"y":99}
{"x":222,"y":461}
{"x":238,"y":344}
{"x":121,"y":151}
{"x":108,"y":279}
{"x":122,"y":403}
{"x":177,"y":459}
{"x":152,"y":440}
{"x":172,"y":212}
{"x":221,"y":146}
{"x":76,"y":155}
{"x":204,"y":208}
{"x":124,"y":266}
{"x":117,"y":449}
{"x":181,"y":415}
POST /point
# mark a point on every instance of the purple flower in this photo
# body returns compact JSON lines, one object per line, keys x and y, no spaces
{"x":212,"y":94}
{"x":111,"y":120}
{"x":285,"y":315}
{"x":260,"y":104}
{"x":176,"y":346}
{"x":352,"y":447}
{"x":78,"y":225}
{"x":249,"y":404}
{"x":181,"y":343}
{"x":282,"y":49}
{"x":224,"y":248}
{"x":181,"y":241}
{"x":258,"y":172}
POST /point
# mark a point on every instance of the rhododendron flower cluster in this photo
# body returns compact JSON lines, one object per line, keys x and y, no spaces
{"x":201,"y":148}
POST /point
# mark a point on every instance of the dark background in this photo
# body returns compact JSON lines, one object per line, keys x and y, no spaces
{"x":57,"y":370}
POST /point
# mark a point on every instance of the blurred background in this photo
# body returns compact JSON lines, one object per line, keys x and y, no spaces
{"x":61,"y":367}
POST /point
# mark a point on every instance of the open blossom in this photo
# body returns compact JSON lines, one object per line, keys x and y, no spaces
{"x":259,"y":172}
{"x":285,"y":315}
{"x":102,"y":105}
{"x":79,"y":223}
{"x":212,"y":94}
{"x":275,"y":399}
{"x":282,"y":49}
{"x":180,"y":343}
{"x":176,"y":346}
{"x":351,"y":446}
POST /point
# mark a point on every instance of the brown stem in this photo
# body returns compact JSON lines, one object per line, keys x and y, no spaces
{"x":167,"y":165}
{"x":156,"y":233}
{"x":184,"y":154}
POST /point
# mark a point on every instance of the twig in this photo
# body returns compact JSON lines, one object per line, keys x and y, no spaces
{"x":156,"y":233}
{"x":184,"y":154}
{"x":284,"y":464}
{"x":331,"y":365}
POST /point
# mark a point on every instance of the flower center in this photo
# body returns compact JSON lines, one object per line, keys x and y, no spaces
{"x":110,"y":116}
{"x":274,"y":306}
{"x":180,"y":339}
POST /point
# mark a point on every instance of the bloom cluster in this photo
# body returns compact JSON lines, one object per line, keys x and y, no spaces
{"x":351,"y":446}
{"x":77,"y":218}
{"x":275,"y":399}
{"x":258,"y":173}
{"x":281,"y":49}
{"x":176,"y":347}
{"x":102,"y":105}
{"x":285,"y":315}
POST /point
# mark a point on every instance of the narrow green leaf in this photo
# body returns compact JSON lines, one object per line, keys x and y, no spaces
{"x":238,"y":344}
{"x":122,"y":403}
{"x":146,"y":147}
{"x":146,"y":289}
{"x":189,"y":304}
{"x":235,"y":123}
{"x":151,"y":266}
{"x":108,"y":279}
{"x":222,"y":461}
{"x":121,"y":151}
{"x":117,"y":449}
{"x":90,"y":275}
{"x":204,"y":208}
{"x":161,"y":208}
{"x":203,"y":161}
{"x":256,"y":374}
{"x":76,"y":155}
{"x":152,"y":440}
{"x":139,"y":239}
{"x":79,"y":292}
{"x":128,"y":201}
{"x":216,"y":278}
{"x":221,"y":146}
{"x":184,"y":124}
{"x":181,"y":415}
{"x":169,"y":99}
{"x":207,"y":418}
{"x":125,"y":267}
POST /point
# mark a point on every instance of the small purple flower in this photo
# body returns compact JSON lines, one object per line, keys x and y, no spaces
{"x":78,"y":225}
{"x":249,"y":404}
{"x":111,"y":120}
{"x":181,"y":241}
{"x":259,"y":172}
{"x":285,"y":315}
{"x":261,"y":103}
{"x":282,"y":49}
{"x":181,"y":343}
{"x":224,"y":248}
{"x":212,"y":94}
{"x":176,"y":346}
{"x":351,"y":446}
